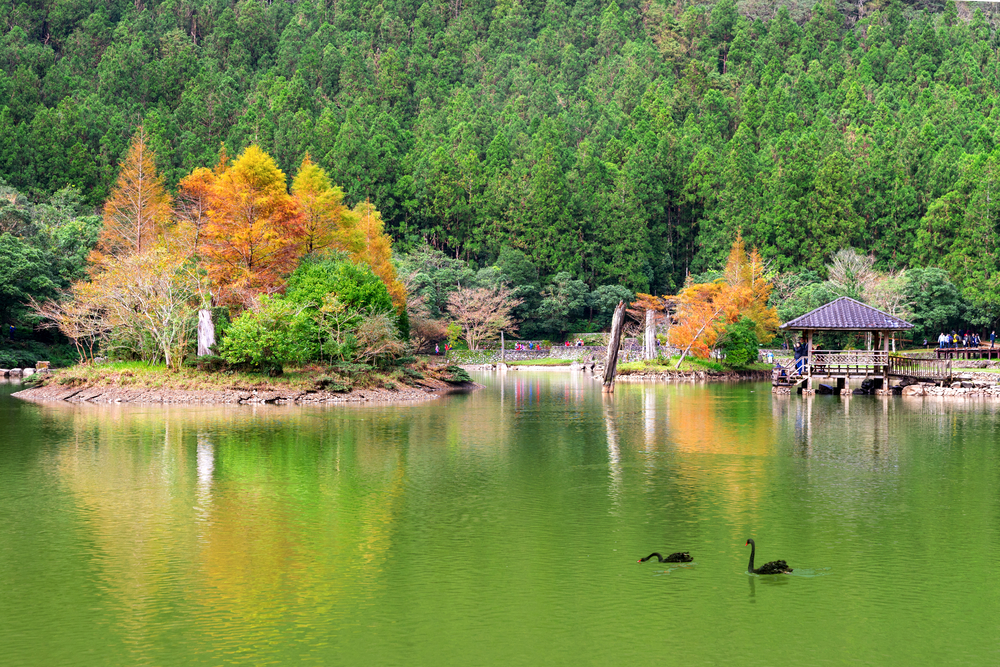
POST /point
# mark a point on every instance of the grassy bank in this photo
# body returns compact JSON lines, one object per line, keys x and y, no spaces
{"x":542,"y":362}
{"x":343,"y":378}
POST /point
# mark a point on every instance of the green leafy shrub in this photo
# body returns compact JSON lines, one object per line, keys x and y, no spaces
{"x":330,"y":383}
{"x":455,"y":375}
{"x":355,"y":285}
{"x":415,"y":374}
{"x":269,"y":336}
{"x":740,"y":343}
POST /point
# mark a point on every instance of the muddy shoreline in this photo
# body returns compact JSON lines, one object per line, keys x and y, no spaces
{"x":100,"y":394}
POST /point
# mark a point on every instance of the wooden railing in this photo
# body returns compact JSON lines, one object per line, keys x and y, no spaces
{"x":849,"y":358}
{"x":785,"y":374}
{"x":923,"y":369}
{"x":848,"y":362}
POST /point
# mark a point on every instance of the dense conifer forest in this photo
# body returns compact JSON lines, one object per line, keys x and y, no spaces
{"x":613,"y":144}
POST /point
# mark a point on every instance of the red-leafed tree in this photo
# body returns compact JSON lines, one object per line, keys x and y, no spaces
{"x":705,"y":309}
{"x":191,"y":209}
{"x":483,"y":313}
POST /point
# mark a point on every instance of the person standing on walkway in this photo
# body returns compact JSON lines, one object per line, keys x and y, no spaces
{"x":993,"y":338}
{"x":801,"y":351}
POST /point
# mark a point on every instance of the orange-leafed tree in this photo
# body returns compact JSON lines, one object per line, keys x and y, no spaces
{"x":139,"y":207}
{"x":191,"y":207}
{"x":746,"y":276}
{"x":377,"y":251}
{"x":705,"y":309}
{"x":326,"y":221}
{"x":253,"y":238}
{"x":701,"y":309}
{"x":660,"y":305}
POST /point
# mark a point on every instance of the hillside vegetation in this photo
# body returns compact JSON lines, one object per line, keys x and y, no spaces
{"x":621,"y":143}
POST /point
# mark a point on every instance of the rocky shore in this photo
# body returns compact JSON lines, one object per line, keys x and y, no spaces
{"x":970,"y":388}
{"x":428,"y":389}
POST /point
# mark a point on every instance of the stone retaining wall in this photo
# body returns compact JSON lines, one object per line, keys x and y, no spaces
{"x":573,"y":352}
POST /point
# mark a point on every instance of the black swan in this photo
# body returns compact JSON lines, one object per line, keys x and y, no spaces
{"x":679,"y":557}
{"x":774,"y":567}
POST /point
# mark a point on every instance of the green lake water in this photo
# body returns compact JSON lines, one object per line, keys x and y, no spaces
{"x":503,"y":528}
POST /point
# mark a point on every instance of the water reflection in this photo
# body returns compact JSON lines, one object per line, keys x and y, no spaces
{"x":501,"y":527}
{"x":614,"y":453}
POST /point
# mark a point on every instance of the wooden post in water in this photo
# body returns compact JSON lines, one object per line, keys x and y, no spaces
{"x":503,"y":351}
{"x":611,"y":363}
{"x":649,"y":339}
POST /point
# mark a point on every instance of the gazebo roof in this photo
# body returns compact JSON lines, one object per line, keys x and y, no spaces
{"x":846,"y":314}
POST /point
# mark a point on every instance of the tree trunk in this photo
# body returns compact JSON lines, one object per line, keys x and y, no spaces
{"x":206,"y":333}
{"x":649,"y":339}
{"x":611,"y":363}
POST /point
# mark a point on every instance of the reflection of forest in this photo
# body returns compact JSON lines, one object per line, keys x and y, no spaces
{"x":254,"y":515}
{"x":281,"y":522}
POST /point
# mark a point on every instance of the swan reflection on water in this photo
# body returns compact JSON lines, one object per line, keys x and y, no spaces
{"x":678,"y":566}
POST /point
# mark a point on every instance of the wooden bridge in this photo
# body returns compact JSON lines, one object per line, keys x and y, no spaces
{"x":967,"y":353}
{"x":923,"y":370}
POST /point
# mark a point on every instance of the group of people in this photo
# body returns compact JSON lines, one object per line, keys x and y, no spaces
{"x":963,"y":339}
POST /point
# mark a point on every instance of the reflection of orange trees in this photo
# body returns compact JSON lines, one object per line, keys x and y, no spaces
{"x":295,"y":512}
{"x":289,"y":519}
{"x":130,"y":485}
{"x":701,"y":424}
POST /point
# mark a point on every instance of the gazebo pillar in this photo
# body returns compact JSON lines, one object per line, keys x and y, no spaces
{"x":885,"y":368}
{"x":809,"y":361}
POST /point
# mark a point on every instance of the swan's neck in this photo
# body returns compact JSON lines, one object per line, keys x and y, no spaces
{"x":753,"y":550}
{"x":659,"y":558}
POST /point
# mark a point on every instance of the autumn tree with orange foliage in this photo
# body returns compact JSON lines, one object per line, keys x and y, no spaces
{"x":326,"y":221}
{"x":700,"y":318}
{"x":377,"y":251}
{"x":705,"y":309}
{"x":253,"y":238}
{"x":746,"y":276}
{"x":139,"y":207}
{"x":191,"y":209}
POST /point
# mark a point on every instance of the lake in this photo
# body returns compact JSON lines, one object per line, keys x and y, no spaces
{"x":503,"y":527}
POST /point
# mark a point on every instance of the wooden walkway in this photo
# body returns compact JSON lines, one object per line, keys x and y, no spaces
{"x":923,"y":370}
{"x":967,"y":352}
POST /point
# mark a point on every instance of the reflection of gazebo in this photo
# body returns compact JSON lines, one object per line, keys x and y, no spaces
{"x":845,"y":315}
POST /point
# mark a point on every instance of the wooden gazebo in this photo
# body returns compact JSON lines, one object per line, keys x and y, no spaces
{"x":846,"y":315}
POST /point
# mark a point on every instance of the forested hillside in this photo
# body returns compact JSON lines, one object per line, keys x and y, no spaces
{"x":622,"y":143}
